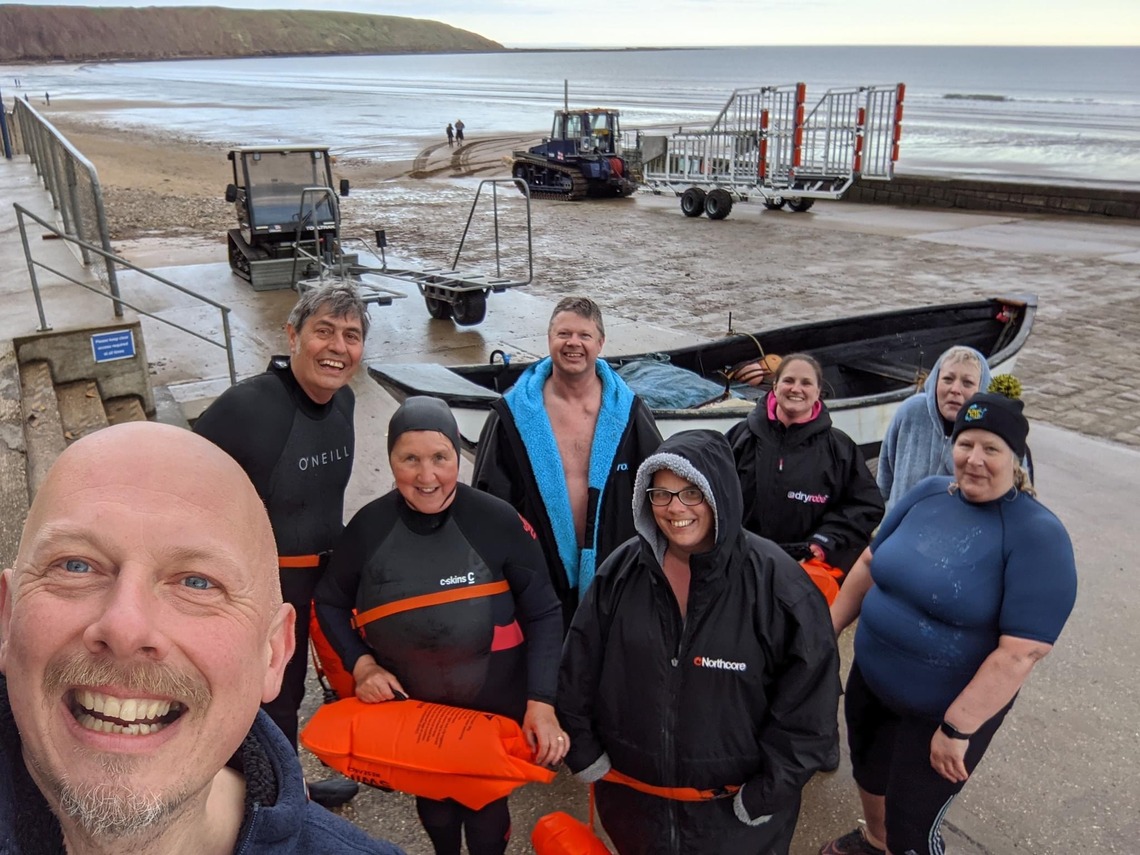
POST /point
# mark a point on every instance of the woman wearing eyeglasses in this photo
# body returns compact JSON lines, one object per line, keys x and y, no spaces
{"x":699,"y":679}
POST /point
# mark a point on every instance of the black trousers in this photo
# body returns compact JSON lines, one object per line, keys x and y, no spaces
{"x":297,"y":586}
{"x":487,"y":830}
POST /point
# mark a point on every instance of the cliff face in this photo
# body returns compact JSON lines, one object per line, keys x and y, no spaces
{"x":80,"y":34}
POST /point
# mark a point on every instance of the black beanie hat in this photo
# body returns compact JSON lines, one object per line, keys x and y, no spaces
{"x":998,"y":414}
{"x":423,"y":413}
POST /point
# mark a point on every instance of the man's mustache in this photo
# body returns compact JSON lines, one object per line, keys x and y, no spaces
{"x":149,"y":678}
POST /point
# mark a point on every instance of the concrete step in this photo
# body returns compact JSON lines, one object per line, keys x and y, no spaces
{"x":80,"y":409}
{"x":43,"y":428}
{"x":127,"y":408}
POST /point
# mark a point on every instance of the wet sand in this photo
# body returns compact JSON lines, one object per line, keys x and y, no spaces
{"x":641,"y":258}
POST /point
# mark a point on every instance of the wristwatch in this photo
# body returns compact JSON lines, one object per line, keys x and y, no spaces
{"x":953,"y":732}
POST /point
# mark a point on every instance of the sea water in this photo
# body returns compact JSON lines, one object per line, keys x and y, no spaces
{"x":1039,"y":113}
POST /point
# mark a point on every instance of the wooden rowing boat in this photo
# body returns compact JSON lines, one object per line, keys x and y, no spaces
{"x":871,"y":363}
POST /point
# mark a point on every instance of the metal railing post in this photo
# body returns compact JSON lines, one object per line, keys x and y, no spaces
{"x":43,"y":327}
{"x":229,"y":344}
{"x":77,"y":215}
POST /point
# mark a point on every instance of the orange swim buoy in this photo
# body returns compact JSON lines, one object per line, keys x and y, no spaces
{"x":430,"y":750}
{"x":559,"y":833}
{"x":328,"y":664}
{"x":825,"y":576}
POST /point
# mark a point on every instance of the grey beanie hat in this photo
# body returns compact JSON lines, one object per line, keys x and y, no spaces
{"x":421,"y":412}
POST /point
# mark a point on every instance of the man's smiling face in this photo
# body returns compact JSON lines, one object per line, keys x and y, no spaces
{"x":325,"y":353}
{"x":142,"y":625}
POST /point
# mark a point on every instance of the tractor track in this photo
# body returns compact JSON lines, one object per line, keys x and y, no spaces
{"x":466,"y":159}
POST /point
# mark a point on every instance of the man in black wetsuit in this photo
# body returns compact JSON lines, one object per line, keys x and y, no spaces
{"x":291,"y":430}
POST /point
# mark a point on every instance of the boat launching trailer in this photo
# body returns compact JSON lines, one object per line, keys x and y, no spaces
{"x":289,"y":236}
{"x":766,"y":142}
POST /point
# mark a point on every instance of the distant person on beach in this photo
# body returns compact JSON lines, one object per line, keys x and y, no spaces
{"x":562,"y":447}
{"x":917,"y":443}
{"x":47,"y":98}
{"x":140,"y":627}
{"x":450,"y":135}
{"x":459,"y":130}
{"x":291,"y":430}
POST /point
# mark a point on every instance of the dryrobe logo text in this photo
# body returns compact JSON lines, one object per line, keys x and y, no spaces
{"x":719,"y":664}
{"x":808,"y":498}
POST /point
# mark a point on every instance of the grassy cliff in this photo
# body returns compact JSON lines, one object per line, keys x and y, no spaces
{"x":77,"y":34}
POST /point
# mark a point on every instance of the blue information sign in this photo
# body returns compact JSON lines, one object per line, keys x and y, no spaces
{"x":109,"y":346}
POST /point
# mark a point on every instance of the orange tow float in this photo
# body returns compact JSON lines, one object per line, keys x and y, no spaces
{"x":430,"y":750}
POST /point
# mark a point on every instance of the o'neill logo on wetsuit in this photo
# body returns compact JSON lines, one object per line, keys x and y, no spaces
{"x":808,"y":498}
{"x":333,"y":455}
{"x":720,"y":664}
{"x":462,"y":579}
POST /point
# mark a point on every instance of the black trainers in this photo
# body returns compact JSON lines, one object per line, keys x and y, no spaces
{"x":334,"y":792}
{"x":854,"y":843}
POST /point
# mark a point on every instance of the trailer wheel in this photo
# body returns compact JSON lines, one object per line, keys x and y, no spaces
{"x":774,"y":203}
{"x":799,"y":205}
{"x":718,"y":204}
{"x":693,"y":202}
{"x":438,"y":309}
{"x":470,"y":308}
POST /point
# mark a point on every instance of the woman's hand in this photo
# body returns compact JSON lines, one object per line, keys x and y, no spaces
{"x":373,"y":683}
{"x":546,"y":738}
{"x":948,"y":757}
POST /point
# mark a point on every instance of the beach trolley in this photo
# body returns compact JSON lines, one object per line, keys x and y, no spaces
{"x":460,"y":293}
{"x":768,"y":143}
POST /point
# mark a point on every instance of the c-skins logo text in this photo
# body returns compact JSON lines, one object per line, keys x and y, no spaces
{"x":720,"y":664}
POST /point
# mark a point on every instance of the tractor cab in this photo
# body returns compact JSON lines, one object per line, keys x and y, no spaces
{"x":269,"y":190}
{"x":584,"y":132}
{"x":286,"y":208}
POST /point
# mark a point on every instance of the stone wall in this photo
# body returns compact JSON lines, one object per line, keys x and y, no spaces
{"x":1021,"y":198}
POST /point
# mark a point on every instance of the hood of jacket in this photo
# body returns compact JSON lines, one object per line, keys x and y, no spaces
{"x":930,"y":387}
{"x":762,"y":422}
{"x":704,"y":459}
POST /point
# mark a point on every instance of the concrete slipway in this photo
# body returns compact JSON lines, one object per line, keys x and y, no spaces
{"x":1064,"y":774}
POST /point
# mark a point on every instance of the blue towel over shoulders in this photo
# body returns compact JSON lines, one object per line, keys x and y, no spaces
{"x":525,"y":402}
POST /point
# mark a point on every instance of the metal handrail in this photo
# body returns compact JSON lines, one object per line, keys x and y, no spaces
{"x":111,"y":260}
{"x":63,"y":187}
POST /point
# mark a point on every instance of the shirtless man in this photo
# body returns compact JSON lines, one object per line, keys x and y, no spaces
{"x":563,"y":447}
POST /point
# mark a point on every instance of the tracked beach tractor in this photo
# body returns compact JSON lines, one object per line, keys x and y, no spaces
{"x":582,"y":157}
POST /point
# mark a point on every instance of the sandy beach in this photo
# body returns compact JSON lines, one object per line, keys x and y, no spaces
{"x":641,"y":258}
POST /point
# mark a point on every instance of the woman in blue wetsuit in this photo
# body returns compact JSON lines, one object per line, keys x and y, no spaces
{"x":966,"y":587}
{"x":493,"y":646}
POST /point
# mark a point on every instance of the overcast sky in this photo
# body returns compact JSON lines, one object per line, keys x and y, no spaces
{"x":653,"y":23}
